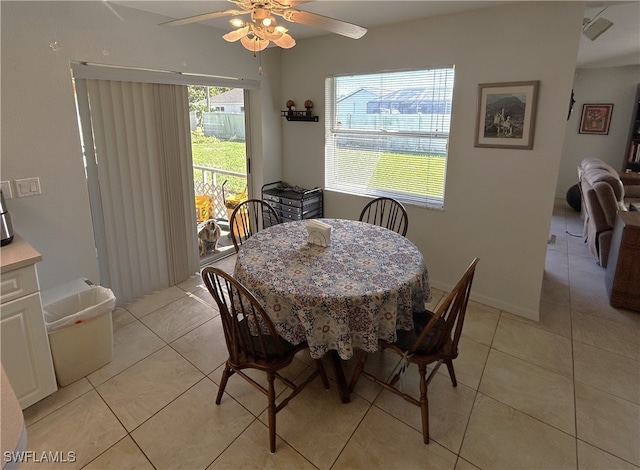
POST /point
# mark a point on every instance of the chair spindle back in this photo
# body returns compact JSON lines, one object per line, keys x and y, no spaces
{"x":249,"y":218}
{"x":386,"y":212}
{"x":248,"y":330}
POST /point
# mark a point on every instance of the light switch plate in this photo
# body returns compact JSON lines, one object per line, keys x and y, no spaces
{"x":28,"y":187}
{"x":6,"y":189}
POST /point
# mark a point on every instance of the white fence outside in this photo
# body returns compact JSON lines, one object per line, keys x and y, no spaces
{"x":210,"y":182}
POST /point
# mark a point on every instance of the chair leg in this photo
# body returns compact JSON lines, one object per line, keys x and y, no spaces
{"x":226,"y":373}
{"x":452,"y":373}
{"x":424,"y":403}
{"x":271,"y":394}
{"x":358,"y":370}
{"x":323,"y":373}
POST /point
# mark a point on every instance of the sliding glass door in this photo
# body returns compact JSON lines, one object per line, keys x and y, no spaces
{"x":138,"y":128}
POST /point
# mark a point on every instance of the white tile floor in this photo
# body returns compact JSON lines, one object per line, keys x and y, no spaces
{"x":563,"y":393}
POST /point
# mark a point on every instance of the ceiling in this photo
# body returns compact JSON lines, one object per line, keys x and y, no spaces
{"x":619,"y":45}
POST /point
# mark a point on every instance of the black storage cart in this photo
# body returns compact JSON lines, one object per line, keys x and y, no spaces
{"x":293,"y":202}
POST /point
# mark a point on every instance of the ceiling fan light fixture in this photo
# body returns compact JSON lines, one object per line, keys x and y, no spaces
{"x":271,"y":34}
{"x":237,"y":34}
{"x":268,"y":21}
{"x":260,"y":33}
{"x":237,"y":22}
{"x":286,"y":41}
{"x":254,"y":44}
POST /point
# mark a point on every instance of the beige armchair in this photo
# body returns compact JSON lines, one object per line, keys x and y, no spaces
{"x":603,"y":195}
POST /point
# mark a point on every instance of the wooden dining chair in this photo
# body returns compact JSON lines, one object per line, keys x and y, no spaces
{"x":386,"y":212}
{"x":434,"y":339}
{"x":253,"y":343}
{"x":249,"y":218}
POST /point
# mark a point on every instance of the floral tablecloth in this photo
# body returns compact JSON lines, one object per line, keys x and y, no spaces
{"x":361,"y":287}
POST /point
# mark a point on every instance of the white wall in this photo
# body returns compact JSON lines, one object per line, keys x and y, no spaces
{"x":498,"y":201}
{"x":39,"y":125}
{"x":617,"y":85}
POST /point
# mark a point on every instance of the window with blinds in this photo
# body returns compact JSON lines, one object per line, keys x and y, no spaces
{"x":387,"y":134}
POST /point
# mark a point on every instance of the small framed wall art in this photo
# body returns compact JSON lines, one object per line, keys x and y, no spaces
{"x":506,"y":114}
{"x":596,"y":118}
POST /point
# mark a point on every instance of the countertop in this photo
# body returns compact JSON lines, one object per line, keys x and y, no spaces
{"x":18,"y":254}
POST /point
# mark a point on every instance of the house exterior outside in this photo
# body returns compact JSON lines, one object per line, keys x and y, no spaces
{"x":356,"y":102}
{"x":231,"y":101}
{"x":225,"y":118}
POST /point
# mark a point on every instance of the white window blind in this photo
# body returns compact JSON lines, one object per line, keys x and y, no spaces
{"x":387,"y":134}
{"x":137,"y":148}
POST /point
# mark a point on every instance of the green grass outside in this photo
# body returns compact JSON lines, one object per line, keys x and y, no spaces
{"x":415,"y":174}
{"x":214,"y":153}
{"x":392,"y":170}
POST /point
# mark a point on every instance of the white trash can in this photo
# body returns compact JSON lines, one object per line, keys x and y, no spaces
{"x":80,"y":331}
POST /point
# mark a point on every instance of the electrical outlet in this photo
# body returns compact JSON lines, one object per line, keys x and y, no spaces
{"x":6,"y":189}
{"x":28,"y":187}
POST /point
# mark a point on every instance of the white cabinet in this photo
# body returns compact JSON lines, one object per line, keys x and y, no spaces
{"x":25,"y":352}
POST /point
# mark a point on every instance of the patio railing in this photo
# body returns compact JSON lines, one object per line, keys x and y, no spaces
{"x":211,"y":182}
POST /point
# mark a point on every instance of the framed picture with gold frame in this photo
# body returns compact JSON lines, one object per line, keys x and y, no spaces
{"x":506,"y":114}
{"x":596,"y":118}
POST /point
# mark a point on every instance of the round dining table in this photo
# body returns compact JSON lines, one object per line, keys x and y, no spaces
{"x":360,"y":288}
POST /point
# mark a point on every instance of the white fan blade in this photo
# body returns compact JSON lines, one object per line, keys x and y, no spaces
{"x":203,"y":17}
{"x":256,"y":44}
{"x":324,"y":22}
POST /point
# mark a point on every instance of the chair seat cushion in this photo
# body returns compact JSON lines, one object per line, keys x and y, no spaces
{"x":420,"y":320}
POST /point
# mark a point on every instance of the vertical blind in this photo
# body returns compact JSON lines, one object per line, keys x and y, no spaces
{"x":387,"y":134}
{"x":137,"y":150}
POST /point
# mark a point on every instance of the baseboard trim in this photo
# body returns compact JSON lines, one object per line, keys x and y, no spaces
{"x":495,"y":303}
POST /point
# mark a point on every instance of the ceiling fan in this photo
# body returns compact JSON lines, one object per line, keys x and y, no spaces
{"x":260,"y":29}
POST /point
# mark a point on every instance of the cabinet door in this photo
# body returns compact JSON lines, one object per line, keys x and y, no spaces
{"x":25,"y":352}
